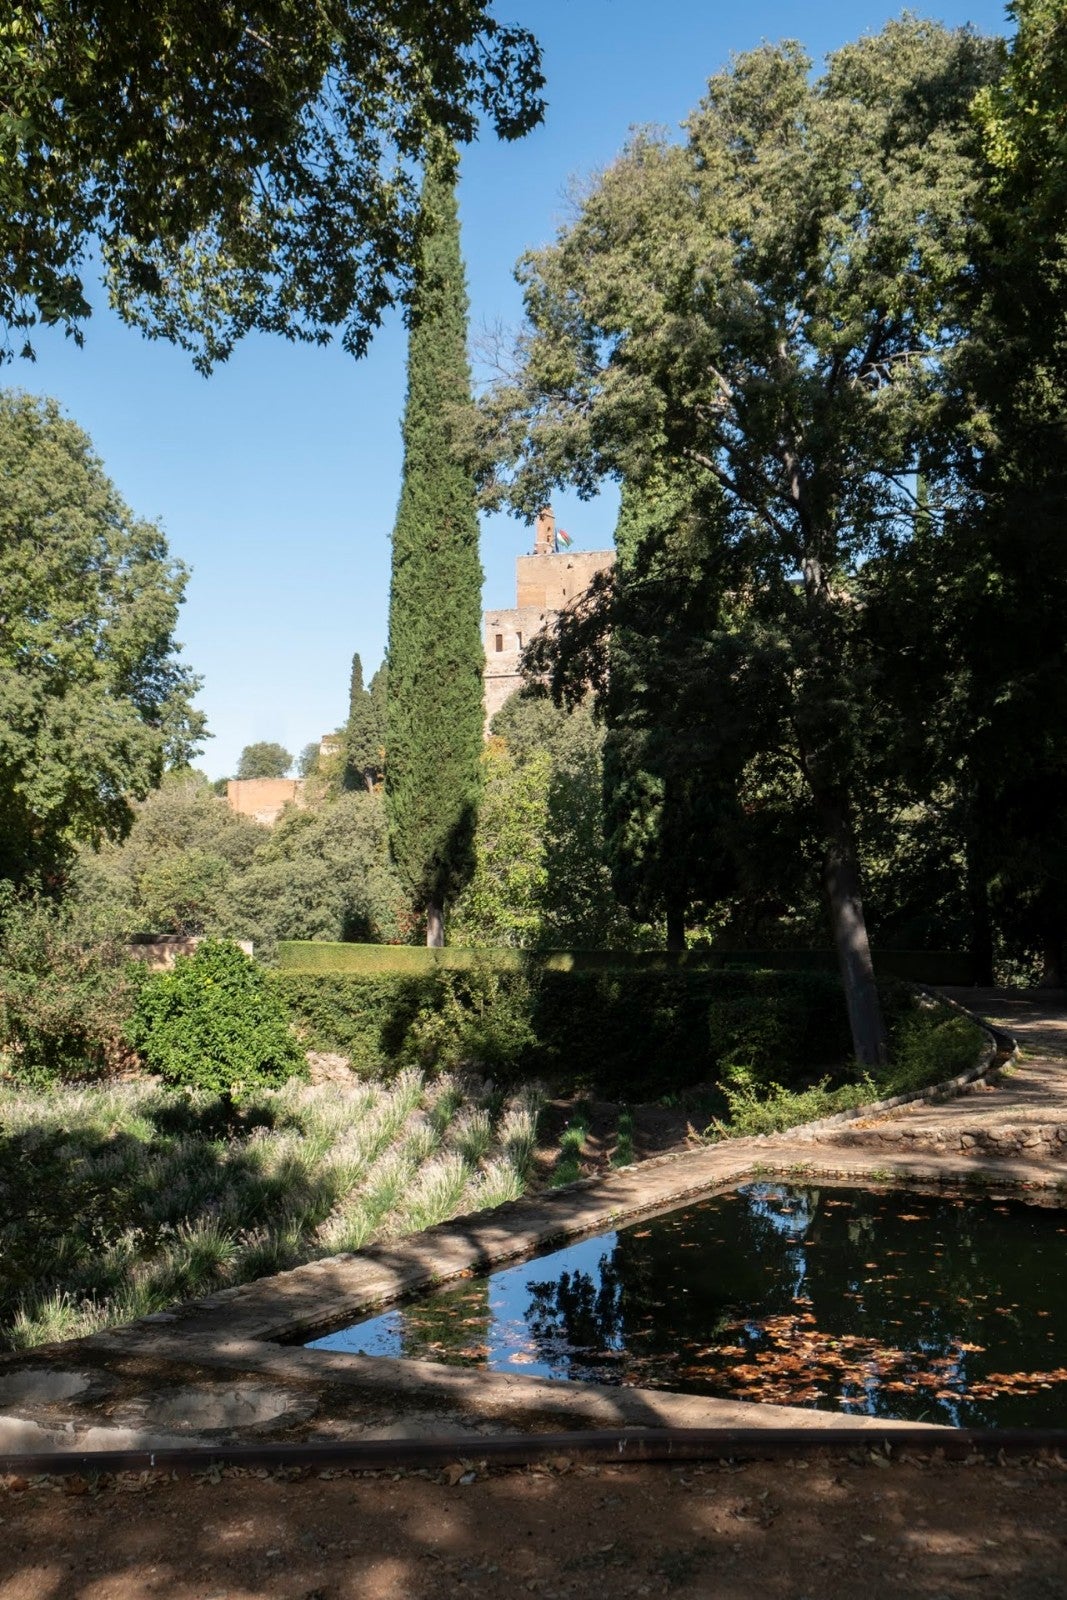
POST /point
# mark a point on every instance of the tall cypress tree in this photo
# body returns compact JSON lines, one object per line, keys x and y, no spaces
{"x":364,"y":733}
{"x":434,"y":706}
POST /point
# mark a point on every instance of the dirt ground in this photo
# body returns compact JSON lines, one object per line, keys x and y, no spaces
{"x":814,"y":1529}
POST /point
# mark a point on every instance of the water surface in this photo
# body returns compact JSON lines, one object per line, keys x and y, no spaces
{"x":896,"y":1304}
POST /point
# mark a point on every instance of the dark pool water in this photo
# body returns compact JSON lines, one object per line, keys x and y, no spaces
{"x":923,"y":1307}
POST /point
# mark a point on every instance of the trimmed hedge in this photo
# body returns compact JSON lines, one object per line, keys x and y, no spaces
{"x":934,"y":967}
{"x":627,"y":1031}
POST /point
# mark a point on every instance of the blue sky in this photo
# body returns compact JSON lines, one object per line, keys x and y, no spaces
{"x":276,"y":479}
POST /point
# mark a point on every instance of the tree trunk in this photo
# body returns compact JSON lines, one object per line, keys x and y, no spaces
{"x":435,"y":927}
{"x":980,"y":942}
{"x":1052,"y":962}
{"x":675,"y":927}
{"x":841,"y":876}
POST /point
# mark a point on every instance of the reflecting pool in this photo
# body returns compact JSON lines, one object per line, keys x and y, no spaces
{"x":941,"y":1308}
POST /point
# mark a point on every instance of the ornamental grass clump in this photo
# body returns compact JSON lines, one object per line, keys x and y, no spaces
{"x":215,"y":1023}
{"x":121,"y":1200}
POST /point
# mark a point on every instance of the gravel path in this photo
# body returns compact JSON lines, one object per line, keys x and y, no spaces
{"x":848,"y":1528}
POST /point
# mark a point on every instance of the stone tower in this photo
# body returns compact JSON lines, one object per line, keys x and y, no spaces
{"x":546,"y":583}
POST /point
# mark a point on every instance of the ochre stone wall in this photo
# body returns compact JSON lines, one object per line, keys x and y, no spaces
{"x":554,"y":582}
{"x":264,"y":799}
{"x":159,"y":952}
{"x":512,"y":628}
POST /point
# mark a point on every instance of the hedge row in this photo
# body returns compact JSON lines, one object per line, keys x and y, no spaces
{"x":935,"y":967}
{"x":627,"y":1032}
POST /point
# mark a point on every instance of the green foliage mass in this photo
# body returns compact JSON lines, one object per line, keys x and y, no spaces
{"x":264,"y":760}
{"x":772,"y":307}
{"x":192,"y":866}
{"x":1005,"y":565}
{"x":502,"y":904}
{"x":674,"y":797}
{"x":624,"y":1029}
{"x":324,"y":874}
{"x":66,"y":989}
{"x":1022,"y":116}
{"x":93,"y":702}
{"x":307,"y":762}
{"x":929,"y":1046}
{"x":540,"y":880}
{"x":434,"y":713}
{"x":240,"y":166}
{"x":214,"y":1023}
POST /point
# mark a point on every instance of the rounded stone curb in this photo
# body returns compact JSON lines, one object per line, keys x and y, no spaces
{"x":1000,"y":1048}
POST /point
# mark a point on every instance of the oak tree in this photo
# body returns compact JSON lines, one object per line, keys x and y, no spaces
{"x":770,"y":303}
{"x":94,"y":702}
{"x":237,"y":166}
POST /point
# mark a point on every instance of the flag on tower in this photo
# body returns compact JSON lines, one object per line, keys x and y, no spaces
{"x":563,"y":539}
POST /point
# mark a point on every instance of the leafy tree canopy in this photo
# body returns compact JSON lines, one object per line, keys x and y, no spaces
{"x":1024,"y":114}
{"x":307,"y":761}
{"x":242,"y":165}
{"x":264,"y":760}
{"x":192,"y":865}
{"x":93,"y":701}
{"x":771,"y":304}
{"x":540,"y":877}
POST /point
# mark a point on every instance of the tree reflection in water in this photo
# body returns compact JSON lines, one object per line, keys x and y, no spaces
{"x":898,"y":1304}
{"x":892,"y":1304}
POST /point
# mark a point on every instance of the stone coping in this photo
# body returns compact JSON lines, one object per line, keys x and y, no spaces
{"x":201,"y":1352}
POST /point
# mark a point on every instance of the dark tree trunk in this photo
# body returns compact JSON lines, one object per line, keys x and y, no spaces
{"x":435,"y":927}
{"x":1053,"y":966}
{"x":675,"y":927}
{"x":841,"y":876}
{"x":980,"y":943}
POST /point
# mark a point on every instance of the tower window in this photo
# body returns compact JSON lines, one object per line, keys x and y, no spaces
{"x":518,"y":639}
{"x":500,"y":641}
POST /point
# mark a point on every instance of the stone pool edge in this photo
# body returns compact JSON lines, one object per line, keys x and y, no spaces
{"x":426,"y":1398}
{"x":239,"y":1331}
{"x":290,"y":1305}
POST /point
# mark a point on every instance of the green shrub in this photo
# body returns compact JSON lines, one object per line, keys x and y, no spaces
{"x":757,"y":1107}
{"x":930,"y":1044}
{"x":66,"y":992}
{"x":215,"y":1023}
{"x":476,"y":1017}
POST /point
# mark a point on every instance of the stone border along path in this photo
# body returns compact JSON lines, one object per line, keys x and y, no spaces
{"x":216,"y":1370}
